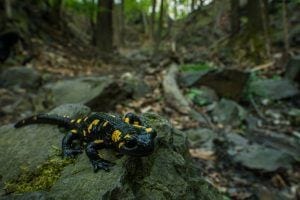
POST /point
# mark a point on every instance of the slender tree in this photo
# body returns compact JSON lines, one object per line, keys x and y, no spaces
{"x":285,"y":26}
{"x":175,"y":9}
{"x":160,"y":25}
{"x":234,"y":17}
{"x":122,"y":23}
{"x":8,"y":9}
{"x":104,"y":28}
{"x":152,"y":21}
{"x":193,"y":2}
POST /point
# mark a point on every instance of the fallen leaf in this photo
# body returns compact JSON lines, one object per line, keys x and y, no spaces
{"x":203,"y":154}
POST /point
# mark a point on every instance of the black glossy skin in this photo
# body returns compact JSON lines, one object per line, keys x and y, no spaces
{"x":127,"y":135}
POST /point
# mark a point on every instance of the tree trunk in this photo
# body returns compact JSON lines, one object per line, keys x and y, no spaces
{"x":117,"y":24}
{"x":152,"y":21}
{"x":265,"y":23}
{"x":8,"y":9}
{"x":57,"y":7}
{"x":255,"y":21}
{"x":160,"y":25}
{"x":122,"y":23}
{"x":104,"y":28}
{"x":234,"y":17}
{"x":193,"y":5}
{"x":285,"y":26}
{"x":175,"y":9}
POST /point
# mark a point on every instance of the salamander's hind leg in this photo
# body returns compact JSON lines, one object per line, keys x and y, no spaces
{"x":68,"y":151}
{"x":96,"y":160}
{"x":131,"y":118}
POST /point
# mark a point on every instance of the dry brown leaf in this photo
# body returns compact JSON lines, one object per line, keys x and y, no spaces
{"x":203,"y":154}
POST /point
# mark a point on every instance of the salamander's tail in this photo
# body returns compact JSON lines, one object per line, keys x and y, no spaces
{"x":46,"y":119}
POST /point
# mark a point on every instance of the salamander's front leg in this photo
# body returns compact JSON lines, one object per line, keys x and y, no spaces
{"x":97,"y":162}
{"x":131,"y":118}
{"x":67,"y":150}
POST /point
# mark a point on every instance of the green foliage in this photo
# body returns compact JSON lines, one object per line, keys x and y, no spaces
{"x":249,"y":90}
{"x":134,"y":9}
{"x":196,"y":67}
{"x":193,"y":94}
{"x":86,"y":7}
{"x":197,"y":97}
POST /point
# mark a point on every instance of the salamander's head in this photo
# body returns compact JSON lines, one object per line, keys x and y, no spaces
{"x":140,"y":143}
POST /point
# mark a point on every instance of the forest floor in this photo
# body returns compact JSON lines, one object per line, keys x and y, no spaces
{"x":246,"y":149}
{"x":242,"y":121}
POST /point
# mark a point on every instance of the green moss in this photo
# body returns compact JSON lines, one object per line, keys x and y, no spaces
{"x":42,"y":178}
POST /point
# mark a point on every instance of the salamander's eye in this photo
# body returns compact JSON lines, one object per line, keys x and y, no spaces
{"x":131,"y":143}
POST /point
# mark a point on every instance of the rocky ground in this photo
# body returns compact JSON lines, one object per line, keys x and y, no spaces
{"x":243,"y":127}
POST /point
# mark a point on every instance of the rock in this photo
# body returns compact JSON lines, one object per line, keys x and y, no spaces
{"x":294,"y":115}
{"x":135,"y":85}
{"x":228,"y":112}
{"x":23,"y":77}
{"x":227,"y":83}
{"x":201,"y":137}
{"x":99,"y":93}
{"x":188,"y":79}
{"x":255,"y":156}
{"x":261,"y":158}
{"x":292,"y":71}
{"x":168,"y":173}
{"x":31,"y":145}
{"x":273,"y":89}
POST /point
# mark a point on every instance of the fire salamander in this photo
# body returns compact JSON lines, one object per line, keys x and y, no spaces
{"x":127,"y":135}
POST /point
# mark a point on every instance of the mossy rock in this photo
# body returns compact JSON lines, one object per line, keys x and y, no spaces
{"x":168,"y":173}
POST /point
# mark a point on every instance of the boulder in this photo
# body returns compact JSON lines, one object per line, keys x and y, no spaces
{"x":257,"y":156}
{"x":99,"y":93}
{"x":168,"y":173}
{"x":273,"y":89}
{"x":227,"y":83}
{"x":228,"y":112}
{"x":23,"y":77}
{"x":134,"y":85}
{"x":292,"y":71}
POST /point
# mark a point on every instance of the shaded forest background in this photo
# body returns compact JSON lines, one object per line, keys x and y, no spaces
{"x":226,"y":73}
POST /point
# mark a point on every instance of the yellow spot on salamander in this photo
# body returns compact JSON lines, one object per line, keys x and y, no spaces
{"x":84,"y":133}
{"x":136,"y":123}
{"x":74,"y":131}
{"x":148,"y":130}
{"x":137,"y":126}
{"x":115,"y":137}
{"x":73,"y":120}
{"x":78,"y":120}
{"x":127,"y":136}
{"x":126,"y":120}
{"x":94,"y":123}
{"x":105,"y":123}
{"x":121,"y":144}
{"x":98,"y":141}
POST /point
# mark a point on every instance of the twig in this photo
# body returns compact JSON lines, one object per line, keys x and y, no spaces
{"x":263,"y":66}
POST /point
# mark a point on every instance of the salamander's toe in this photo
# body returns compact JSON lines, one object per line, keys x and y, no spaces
{"x":102,"y":164}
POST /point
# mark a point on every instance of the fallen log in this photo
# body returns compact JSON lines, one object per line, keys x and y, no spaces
{"x":172,"y":92}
